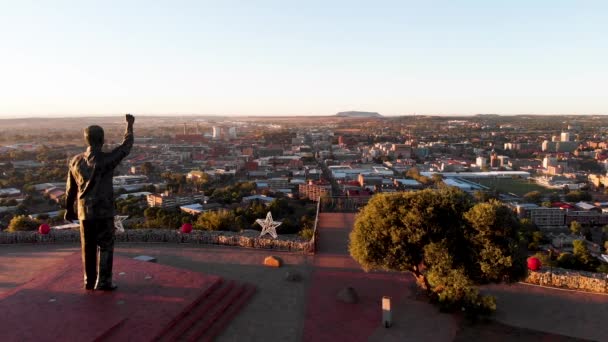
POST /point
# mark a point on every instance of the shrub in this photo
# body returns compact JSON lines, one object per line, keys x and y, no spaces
{"x":22,"y":223}
{"x":306,"y":233}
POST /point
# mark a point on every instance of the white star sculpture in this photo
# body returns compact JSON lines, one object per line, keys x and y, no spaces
{"x":268,"y":225}
{"x":118,"y":223}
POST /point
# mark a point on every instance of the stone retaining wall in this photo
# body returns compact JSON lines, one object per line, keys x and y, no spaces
{"x":575,"y":280}
{"x":248,"y":239}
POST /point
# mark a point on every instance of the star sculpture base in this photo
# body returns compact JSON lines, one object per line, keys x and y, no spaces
{"x":118,"y":223}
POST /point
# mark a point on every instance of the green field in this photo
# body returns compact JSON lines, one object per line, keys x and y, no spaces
{"x":517,"y":186}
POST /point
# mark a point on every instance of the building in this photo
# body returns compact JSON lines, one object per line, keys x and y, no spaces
{"x":565,"y":136}
{"x":127,"y":180}
{"x":365,"y":180}
{"x":217,"y":132}
{"x":481,"y":162}
{"x":261,"y":198}
{"x":278,"y":183}
{"x":232,"y":132}
{"x":503,"y":161}
{"x":405,"y":183}
{"x":197,"y":208}
{"x":493,"y":159}
{"x":56,"y":194}
{"x":566,"y":146}
{"x":549,"y":146}
{"x":549,"y":161}
{"x":172,"y":201}
{"x":10,"y":192}
{"x":542,"y":217}
{"x":314,"y":191}
{"x":401,"y":151}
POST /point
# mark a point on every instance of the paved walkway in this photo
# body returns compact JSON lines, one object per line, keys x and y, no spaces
{"x":275,"y":312}
{"x":327,"y":319}
{"x":308,"y":310}
{"x":569,"y":313}
{"x":579,"y":315}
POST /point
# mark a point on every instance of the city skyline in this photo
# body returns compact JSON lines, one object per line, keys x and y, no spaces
{"x":244,"y":59}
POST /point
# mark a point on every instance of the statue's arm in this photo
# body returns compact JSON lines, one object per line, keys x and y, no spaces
{"x":120,"y":152}
{"x":71,"y":191}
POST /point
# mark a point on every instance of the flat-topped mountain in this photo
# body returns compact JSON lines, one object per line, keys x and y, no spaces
{"x":357,"y":114}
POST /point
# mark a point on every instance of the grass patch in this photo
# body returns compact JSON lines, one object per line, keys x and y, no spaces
{"x":516,"y":186}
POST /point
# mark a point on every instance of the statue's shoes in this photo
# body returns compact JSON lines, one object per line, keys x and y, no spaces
{"x":89,"y":287}
{"x":109,"y":287}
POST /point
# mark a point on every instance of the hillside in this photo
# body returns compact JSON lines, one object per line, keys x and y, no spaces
{"x":357,"y":114}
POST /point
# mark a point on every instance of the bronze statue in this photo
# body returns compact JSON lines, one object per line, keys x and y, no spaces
{"x":90,"y":185}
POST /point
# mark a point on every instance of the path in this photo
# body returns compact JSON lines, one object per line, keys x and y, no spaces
{"x":330,"y":320}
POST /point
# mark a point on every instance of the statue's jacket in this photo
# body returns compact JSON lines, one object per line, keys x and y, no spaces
{"x":90,"y":179}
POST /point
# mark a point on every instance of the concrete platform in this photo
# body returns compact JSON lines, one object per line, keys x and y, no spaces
{"x":150,"y":301}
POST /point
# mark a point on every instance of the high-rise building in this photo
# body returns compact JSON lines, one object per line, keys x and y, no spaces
{"x":217,"y":132}
{"x":232,"y":132}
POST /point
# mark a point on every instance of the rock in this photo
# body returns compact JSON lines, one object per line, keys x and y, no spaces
{"x":145,"y":258}
{"x":273,"y":261}
{"x":348,"y":295}
{"x":293,"y":276}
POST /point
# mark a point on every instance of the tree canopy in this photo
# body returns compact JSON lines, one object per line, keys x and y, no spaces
{"x":446,"y":242}
{"x":533,"y":197}
{"x":21,"y":223}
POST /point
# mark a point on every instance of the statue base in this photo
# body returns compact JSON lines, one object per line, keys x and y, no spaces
{"x":152,"y":302}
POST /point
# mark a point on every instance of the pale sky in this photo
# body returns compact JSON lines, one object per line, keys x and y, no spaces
{"x":256,"y":57}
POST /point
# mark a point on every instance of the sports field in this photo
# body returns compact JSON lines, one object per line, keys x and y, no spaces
{"x":517,"y":186}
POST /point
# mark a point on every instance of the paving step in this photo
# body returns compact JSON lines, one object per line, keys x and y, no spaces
{"x":200,"y":328}
{"x":177,"y":323}
{"x":229,"y":314}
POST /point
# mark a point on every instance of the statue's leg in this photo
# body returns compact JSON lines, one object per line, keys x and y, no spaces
{"x":88,"y":241}
{"x":105,"y":241}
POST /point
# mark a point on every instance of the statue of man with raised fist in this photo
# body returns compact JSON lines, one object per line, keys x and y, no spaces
{"x":90,"y":186}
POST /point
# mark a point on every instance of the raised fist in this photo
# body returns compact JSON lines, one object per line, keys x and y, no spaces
{"x":130,"y":119}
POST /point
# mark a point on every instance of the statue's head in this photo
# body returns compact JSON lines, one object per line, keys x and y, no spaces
{"x":93,"y":135}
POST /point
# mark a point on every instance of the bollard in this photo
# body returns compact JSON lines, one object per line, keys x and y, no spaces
{"x":387,"y":319}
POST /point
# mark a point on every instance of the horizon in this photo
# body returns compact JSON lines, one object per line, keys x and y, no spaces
{"x":236,"y":116}
{"x":315,"y":59}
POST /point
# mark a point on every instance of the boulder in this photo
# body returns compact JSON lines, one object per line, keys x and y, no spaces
{"x":348,"y":295}
{"x":273,"y":261}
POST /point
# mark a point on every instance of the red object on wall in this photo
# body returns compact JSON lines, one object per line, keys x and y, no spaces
{"x":534,"y":264}
{"x":44,"y":229}
{"x":186,"y":228}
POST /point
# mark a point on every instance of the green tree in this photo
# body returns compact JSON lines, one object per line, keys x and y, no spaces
{"x":22,"y":223}
{"x":306,"y":233}
{"x":578,"y":195}
{"x":546,"y":204}
{"x":448,"y":244}
{"x":576,"y":228}
{"x":483,"y":196}
{"x":554,"y":197}
{"x":545,"y":259}
{"x":437,"y":178}
{"x":533,"y":197}
{"x":216,"y":220}
{"x":585,"y":260}
{"x":280,"y":207}
{"x":567,"y":260}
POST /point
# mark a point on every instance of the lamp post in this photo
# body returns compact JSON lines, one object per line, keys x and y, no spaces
{"x":387,"y":319}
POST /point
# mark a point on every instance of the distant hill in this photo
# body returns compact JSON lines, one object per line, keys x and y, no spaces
{"x":356,"y":114}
